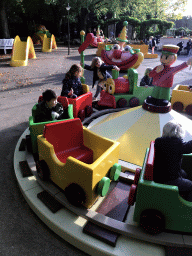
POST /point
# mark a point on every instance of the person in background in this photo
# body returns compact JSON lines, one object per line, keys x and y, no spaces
{"x":146,"y":80}
{"x":72,"y":87}
{"x":180,"y":44}
{"x":188,"y":46}
{"x":100,"y":73}
{"x":169,"y":150}
{"x":153,"y":43}
{"x":49,"y":109}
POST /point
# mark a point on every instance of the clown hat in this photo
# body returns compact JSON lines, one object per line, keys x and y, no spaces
{"x":170,"y":49}
{"x":98,"y":31}
{"x":123,"y":35}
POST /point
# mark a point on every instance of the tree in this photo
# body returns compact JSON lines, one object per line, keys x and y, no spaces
{"x":3,"y":21}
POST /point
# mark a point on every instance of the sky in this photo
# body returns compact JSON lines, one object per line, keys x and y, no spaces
{"x":188,"y":9}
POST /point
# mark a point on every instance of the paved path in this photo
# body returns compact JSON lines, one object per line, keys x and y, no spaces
{"x":22,"y":233}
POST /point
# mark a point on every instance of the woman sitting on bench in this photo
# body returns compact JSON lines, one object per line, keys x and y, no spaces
{"x":49,"y":109}
{"x":168,"y":158}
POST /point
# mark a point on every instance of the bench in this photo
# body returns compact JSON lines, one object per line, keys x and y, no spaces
{"x":6,"y":44}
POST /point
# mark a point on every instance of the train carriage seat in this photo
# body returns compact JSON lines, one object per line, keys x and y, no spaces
{"x":67,"y":140}
{"x":148,"y":175}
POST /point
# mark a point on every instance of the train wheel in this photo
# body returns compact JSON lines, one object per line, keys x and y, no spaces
{"x":103,"y":186}
{"x":122,"y":103}
{"x":115,"y":172}
{"x":134,"y":102}
{"x":42,"y":170}
{"x":75,"y":194}
{"x":81,"y":115}
{"x":152,"y":221}
{"x":88,"y":110}
{"x":178,"y":106}
{"x":132,"y":195}
{"x":28,"y":143}
{"x":189,"y":110}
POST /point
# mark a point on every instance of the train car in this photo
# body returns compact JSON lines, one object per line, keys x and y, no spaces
{"x":181,"y":99}
{"x":124,"y":91}
{"x":158,"y":206}
{"x":77,"y":160}
{"x":37,"y":128}
{"x":82,"y":105}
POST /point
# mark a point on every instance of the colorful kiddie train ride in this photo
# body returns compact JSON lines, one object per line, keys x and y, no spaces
{"x":181,"y":99}
{"x":37,"y":128}
{"x":77,"y":160}
{"x":82,"y":105}
{"x":152,"y":213}
{"x":120,"y":54}
{"x":97,"y":39}
{"x":123,"y":91}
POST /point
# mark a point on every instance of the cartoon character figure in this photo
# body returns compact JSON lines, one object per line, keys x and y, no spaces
{"x":163,"y":76}
{"x":106,"y":97}
{"x":122,"y":55}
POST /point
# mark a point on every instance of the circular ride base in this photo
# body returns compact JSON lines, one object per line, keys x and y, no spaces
{"x":135,"y":128}
{"x":70,"y":226}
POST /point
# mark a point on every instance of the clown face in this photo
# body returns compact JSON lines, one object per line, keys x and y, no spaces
{"x":123,"y":58}
{"x":168,"y":59}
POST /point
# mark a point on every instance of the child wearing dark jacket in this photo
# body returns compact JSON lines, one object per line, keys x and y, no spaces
{"x":72,"y":87}
{"x":146,"y":80}
{"x":100,"y":73}
{"x":49,"y":109}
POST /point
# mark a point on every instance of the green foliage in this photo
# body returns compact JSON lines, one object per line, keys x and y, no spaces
{"x":141,"y":14}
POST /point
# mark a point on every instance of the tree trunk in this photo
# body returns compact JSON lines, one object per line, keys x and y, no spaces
{"x":4,"y":32}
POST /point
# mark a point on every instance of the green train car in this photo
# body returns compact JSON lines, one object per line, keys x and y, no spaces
{"x":158,"y":206}
{"x":123,"y":91}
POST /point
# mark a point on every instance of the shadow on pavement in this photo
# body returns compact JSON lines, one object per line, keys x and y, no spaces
{"x":21,"y":230}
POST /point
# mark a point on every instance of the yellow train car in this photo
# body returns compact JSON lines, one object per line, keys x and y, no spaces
{"x":77,"y":160}
{"x":181,"y":99}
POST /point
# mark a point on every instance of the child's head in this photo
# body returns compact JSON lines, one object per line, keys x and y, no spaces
{"x":173,"y":129}
{"x":50,"y":98}
{"x":96,"y":62}
{"x":147,"y":71}
{"x":75,"y":70}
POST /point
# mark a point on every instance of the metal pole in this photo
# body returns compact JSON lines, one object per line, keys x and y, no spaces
{"x":68,"y":36}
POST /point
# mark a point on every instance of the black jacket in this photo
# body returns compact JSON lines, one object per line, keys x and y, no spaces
{"x":73,"y":83}
{"x":168,"y":158}
{"x":146,"y":80}
{"x":43,"y":113}
{"x":103,"y":68}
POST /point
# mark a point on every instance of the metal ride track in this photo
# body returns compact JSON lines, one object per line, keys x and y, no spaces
{"x":125,"y":229}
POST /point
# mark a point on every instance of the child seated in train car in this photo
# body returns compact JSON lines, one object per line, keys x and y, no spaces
{"x":72,"y":87}
{"x":168,"y":159}
{"x":146,"y":80}
{"x":49,"y":109}
{"x":100,"y":73}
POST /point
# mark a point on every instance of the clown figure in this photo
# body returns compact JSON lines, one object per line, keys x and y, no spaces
{"x":163,"y":75}
{"x":122,"y":40}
